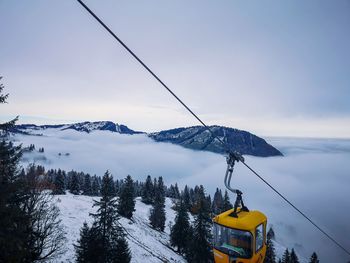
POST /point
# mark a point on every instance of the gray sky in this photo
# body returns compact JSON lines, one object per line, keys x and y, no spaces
{"x":270,"y":67}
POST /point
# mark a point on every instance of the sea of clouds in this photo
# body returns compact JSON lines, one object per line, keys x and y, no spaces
{"x":314,"y":174}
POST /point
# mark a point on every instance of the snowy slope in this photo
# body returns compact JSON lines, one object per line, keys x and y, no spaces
{"x":146,"y":244}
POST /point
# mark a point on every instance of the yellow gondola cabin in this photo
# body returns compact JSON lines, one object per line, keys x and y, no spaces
{"x":239,"y":237}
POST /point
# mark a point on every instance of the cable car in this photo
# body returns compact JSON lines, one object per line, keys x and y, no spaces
{"x":239,"y":234}
{"x":239,"y":239}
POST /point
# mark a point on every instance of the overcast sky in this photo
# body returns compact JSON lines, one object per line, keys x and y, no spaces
{"x":270,"y":67}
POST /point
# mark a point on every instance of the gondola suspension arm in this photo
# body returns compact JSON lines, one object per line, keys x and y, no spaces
{"x":231,"y":159}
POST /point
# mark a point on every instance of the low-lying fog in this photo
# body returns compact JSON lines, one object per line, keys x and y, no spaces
{"x":314,"y":174}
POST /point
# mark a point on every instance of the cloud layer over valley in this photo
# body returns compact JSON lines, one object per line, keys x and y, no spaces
{"x":314,"y":175}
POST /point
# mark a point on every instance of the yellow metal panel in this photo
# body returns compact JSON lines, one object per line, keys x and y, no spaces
{"x":245,"y":220}
{"x":220,"y":257}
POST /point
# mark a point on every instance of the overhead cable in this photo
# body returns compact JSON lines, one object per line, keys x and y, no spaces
{"x":227,"y":148}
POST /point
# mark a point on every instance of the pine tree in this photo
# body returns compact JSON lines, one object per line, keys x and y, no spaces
{"x":106,"y":215}
{"x":270,"y":251}
{"x":108,"y":187}
{"x":121,"y":249}
{"x":200,"y":249}
{"x":147,"y":192}
{"x":217,"y":206}
{"x":271,"y":234}
{"x":83,"y":250}
{"x":95,"y":188}
{"x":314,"y":258}
{"x":11,"y":233}
{"x":157,"y":215}
{"x":59,"y":187}
{"x":74,"y":186}
{"x":126,"y":205}
{"x":179,"y":232}
{"x":12,"y":218}
{"x":226,"y":202}
{"x":186,"y":198}
{"x":117,"y":186}
{"x":106,"y":235}
{"x":293,"y":257}
{"x":176,"y":192}
{"x":154,"y":189}
{"x":87,"y":189}
{"x":29,"y":228}
{"x":286,"y":256}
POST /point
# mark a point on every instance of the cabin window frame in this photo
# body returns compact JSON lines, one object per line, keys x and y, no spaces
{"x":263,"y":238}
{"x":252,"y":241}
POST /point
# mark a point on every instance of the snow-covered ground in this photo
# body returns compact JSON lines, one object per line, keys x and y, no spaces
{"x":146,"y":244}
{"x":313,"y":174}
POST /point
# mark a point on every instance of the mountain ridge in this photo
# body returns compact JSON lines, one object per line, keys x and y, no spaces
{"x":194,"y":137}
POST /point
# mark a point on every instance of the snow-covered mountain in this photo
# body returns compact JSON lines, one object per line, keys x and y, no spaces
{"x":199,"y":138}
{"x":80,"y":126}
{"x":196,"y":137}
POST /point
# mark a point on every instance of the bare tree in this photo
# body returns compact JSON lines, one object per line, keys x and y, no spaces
{"x":46,"y":237}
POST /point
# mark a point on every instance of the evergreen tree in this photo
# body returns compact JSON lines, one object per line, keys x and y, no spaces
{"x":117,"y":186}
{"x":11,"y":233}
{"x":154,"y":189}
{"x":177,"y":192}
{"x":147,"y":192}
{"x":179,"y":232}
{"x":59,"y":187}
{"x":121,"y":249}
{"x":138,"y":188}
{"x":12,"y":218}
{"x":293,"y":257}
{"x":84,"y":248}
{"x":186,"y":198}
{"x":106,"y":235}
{"x":170,"y":192}
{"x":200,"y":248}
{"x":157,"y":215}
{"x":271,"y":233}
{"x":286,"y":256}
{"x":126,"y":205}
{"x":87,"y":188}
{"x":5,"y":127}
{"x":217,"y":205}
{"x":226,"y":202}
{"x":107,"y":187}
{"x":74,"y":186}
{"x":270,"y":251}
{"x":29,"y":228}
{"x":95,"y":186}
{"x":314,"y":258}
